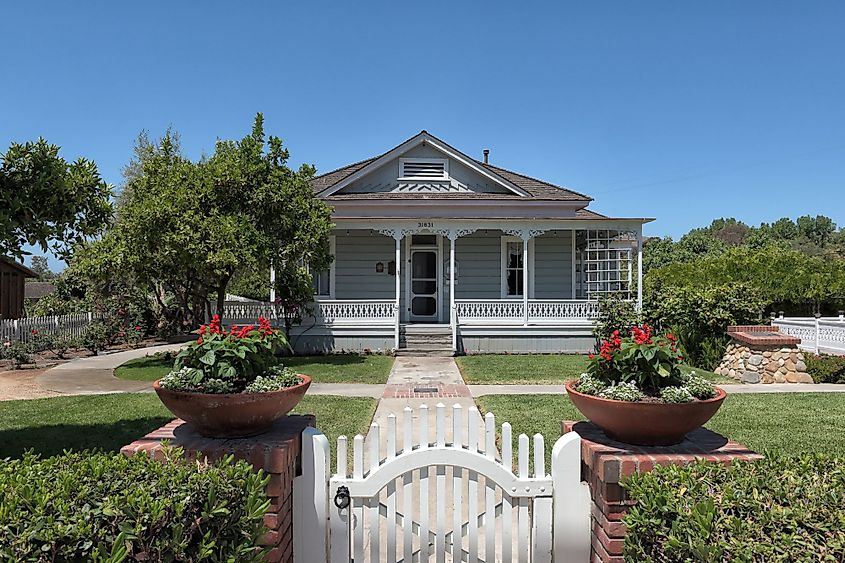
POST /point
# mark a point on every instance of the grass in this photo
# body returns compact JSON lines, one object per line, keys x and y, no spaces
{"x":783,"y":422}
{"x":537,"y":369}
{"x":349,"y":368}
{"x":148,"y":368}
{"x":108,"y":422}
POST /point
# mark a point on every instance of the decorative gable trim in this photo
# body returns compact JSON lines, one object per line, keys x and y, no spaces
{"x":420,"y":138}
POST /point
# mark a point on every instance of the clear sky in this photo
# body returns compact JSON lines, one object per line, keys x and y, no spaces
{"x":683,"y":111}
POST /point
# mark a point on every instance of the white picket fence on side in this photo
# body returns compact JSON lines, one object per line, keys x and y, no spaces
{"x":12,"y":330}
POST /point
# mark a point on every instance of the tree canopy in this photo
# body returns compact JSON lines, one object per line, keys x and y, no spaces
{"x":48,"y":202}
{"x":185,"y":229}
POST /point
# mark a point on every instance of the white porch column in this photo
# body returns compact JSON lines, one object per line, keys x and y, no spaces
{"x":272,"y":284}
{"x":452,"y":312}
{"x":398,"y":240}
{"x":525,"y":261}
{"x":640,"y":269}
{"x":572,"y":250}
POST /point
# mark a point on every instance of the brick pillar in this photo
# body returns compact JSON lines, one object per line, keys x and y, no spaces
{"x":605,"y":462}
{"x":276,"y":452}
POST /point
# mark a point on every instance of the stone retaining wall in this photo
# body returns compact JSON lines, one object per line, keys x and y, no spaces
{"x":763,"y":364}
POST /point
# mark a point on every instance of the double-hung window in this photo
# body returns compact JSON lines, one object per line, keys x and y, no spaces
{"x":513,"y":267}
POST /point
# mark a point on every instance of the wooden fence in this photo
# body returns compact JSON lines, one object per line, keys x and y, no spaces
{"x":22,"y":329}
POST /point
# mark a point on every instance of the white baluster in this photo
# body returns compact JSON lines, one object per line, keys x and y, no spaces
{"x":523,"y":528}
{"x":423,"y":498}
{"x":489,"y":490}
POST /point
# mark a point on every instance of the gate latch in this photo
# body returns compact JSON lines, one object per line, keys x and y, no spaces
{"x":341,"y":498}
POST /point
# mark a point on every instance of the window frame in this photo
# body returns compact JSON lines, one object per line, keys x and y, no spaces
{"x":330,"y":272}
{"x":525,"y":264}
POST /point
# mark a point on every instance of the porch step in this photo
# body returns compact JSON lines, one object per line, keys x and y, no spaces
{"x":427,"y":351}
{"x":426,"y":339}
{"x":416,"y":329}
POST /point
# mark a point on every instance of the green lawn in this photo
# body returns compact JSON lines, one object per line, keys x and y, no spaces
{"x":788,"y":422}
{"x":536,"y":369}
{"x":323,"y":369}
{"x":108,"y":422}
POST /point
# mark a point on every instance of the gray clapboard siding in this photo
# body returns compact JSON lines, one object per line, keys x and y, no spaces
{"x":479,"y":258}
{"x":356,"y":255}
{"x":553,"y":265}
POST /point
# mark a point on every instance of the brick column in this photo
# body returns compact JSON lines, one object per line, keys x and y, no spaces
{"x":276,"y":452}
{"x":605,"y":462}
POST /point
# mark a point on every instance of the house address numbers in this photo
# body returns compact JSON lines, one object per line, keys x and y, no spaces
{"x":425,"y":225}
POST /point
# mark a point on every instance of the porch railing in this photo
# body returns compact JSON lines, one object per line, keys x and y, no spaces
{"x":540,"y":311}
{"x":380,"y":311}
{"x":329,"y":312}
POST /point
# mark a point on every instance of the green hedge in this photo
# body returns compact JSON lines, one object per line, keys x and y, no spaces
{"x":826,"y":369}
{"x":106,"y":507}
{"x":780,"y":509}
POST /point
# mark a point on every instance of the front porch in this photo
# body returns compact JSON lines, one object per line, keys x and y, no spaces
{"x":518,"y":288}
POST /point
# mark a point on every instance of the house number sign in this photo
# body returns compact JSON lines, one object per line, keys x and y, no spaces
{"x":425,"y":225}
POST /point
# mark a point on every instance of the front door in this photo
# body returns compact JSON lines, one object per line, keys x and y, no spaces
{"x":424,"y":284}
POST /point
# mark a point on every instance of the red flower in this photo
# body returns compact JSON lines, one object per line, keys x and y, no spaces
{"x":137,"y":327}
{"x":671,"y":336}
{"x":34,"y":331}
{"x":591,"y":356}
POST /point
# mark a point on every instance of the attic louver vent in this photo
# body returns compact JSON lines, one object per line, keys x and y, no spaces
{"x":424,"y":169}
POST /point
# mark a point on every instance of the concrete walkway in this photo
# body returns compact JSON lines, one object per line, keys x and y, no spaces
{"x":95,"y":375}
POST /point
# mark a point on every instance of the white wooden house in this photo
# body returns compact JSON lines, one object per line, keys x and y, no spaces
{"x":438,"y":252}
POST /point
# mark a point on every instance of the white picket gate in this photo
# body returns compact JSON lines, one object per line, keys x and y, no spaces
{"x":457,"y":500}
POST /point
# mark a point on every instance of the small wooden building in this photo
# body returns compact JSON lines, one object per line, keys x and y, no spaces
{"x":12,"y":278}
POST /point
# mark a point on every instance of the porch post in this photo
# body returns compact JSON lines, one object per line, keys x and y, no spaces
{"x":399,"y":269}
{"x":452,"y":312}
{"x":572,"y":251}
{"x":640,"y":269}
{"x":272,"y":284}
{"x":525,"y":261}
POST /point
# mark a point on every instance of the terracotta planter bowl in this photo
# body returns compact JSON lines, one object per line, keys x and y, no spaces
{"x":645,"y":424}
{"x":232,"y":415}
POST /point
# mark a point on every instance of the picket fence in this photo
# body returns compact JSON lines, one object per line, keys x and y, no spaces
{"x":22,"y":329}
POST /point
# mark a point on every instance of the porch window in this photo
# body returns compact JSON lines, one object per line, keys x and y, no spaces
{"x":513,"y":264}
{"x":604,"y":263}
{"x":323,"y":282}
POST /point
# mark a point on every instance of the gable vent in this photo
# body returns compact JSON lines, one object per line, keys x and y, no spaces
{"x":424,"y":169}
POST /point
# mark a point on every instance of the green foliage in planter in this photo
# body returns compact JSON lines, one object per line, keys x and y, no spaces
{"x":106,"y":507}
{"x":780,"y":509}
{"x":825,"y":368}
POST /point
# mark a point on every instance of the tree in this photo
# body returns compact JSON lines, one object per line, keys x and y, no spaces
{"x":40,"y":266}
{"x":819,"y":230}
{"x":185,"y":229}
{"x":46,"y":201}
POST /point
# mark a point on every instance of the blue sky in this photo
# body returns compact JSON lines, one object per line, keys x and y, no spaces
{"x":683,"y":111}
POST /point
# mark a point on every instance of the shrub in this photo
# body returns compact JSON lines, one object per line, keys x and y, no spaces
{"x":134,"y":335}
{"x":700,"y":315}
{"x":16,"y":351}
{"x":63,"y":342}
{"x":779,"y":509}
{"x":94,"y":507}
{"x":96,"y":336}
{"x":825,"y":368}
{"x":615,"y":313}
